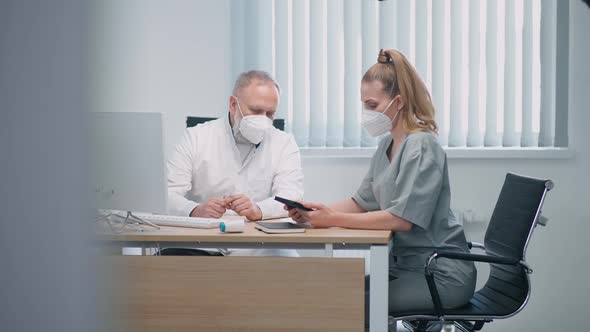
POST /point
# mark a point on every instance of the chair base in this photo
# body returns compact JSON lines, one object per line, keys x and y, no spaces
{"x":461,"y":325}
{"x":467,"y":326}
{"x":415,"y":325}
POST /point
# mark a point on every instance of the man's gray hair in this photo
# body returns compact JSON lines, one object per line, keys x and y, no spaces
{"x":248,"y":77}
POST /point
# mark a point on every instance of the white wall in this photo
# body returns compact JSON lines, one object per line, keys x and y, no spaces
{"x":162,"y":56}
{"x":174,"y":57}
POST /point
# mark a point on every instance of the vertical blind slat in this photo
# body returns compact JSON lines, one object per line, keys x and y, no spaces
{"x":283,"y":56}
{"x":474,"y":137}
{"x":456,"y":134}
{"x":438,"y":63}
{"x":237,"y":37}
{"x":352,"y":73}
{"x":527,"y":138}
{"x":548,"y":67}
{"x":509,"y":137}
{"x":370,"y":37}
{"x":318,"y":74}
{"x":265,"y":33}
{"x":491,"y":135}
{"x":251,"y":39}
{"x":387,"y":25}
{"x":562,"y":74}
{"x":421,"y":39}
{"x":335,"y":74}
{"x":403,"y":27}
{"x":301,"y":71}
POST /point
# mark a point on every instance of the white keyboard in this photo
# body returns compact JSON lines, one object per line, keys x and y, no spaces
{"x":178,"y":221}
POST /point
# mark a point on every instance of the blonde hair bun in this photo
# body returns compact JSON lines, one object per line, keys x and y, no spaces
{"x":383,"y":57}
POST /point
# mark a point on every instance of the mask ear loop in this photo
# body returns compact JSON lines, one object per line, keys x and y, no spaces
{"x":388,"y":105}
{"x":235,"y":127}
{"x":394,"y":96}
{"x":239,"y":108}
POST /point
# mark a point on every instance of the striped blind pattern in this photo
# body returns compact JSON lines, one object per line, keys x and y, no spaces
{"x":496,"y":69}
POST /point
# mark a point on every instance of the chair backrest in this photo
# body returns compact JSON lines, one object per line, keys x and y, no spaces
{"x":515,"y":215}
{"x":514,"y":218}
{"x":192,"y":121}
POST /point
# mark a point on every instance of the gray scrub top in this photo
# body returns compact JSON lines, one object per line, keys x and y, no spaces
{"x":415,"y":186}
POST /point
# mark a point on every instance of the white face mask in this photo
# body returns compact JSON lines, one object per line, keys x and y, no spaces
{"x":377,"y":123}
{"x":252,"y":127}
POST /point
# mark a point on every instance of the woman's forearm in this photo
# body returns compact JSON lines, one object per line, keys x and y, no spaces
{"x":381,"y":220}
{"x":347,"y":206}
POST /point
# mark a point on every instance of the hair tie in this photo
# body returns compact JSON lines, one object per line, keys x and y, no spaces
{"x":383,"y":57}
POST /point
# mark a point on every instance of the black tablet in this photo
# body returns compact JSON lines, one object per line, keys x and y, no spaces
{"x":291,"y":203}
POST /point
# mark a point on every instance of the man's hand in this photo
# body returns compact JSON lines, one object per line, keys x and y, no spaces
{"x":213,"y":208}
{"x":243,"y":206}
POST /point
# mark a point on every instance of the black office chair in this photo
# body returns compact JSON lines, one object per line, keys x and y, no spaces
{"x":507,"y":291}
{"x":192,"y":121}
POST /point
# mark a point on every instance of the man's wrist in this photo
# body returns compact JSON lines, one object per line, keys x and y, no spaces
{"x":193,"y":212}
{"x":259,"y":213}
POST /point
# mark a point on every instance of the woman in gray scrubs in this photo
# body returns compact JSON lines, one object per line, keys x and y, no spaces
{"x":406,"y":189}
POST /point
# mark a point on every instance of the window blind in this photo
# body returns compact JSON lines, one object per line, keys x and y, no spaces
{"x":491,"y":65}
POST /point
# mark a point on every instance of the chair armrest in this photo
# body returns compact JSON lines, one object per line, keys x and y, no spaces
{"x":473,"y":257}
{"x":460,"y":256}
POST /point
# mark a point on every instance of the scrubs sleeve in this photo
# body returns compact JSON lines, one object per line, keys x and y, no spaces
{"x":364,"y":195}
{"x":418,"y":185}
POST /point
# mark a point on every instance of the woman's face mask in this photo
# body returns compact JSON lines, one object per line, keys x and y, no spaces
{"x":377,"y":123}
{"x":252,"y":127}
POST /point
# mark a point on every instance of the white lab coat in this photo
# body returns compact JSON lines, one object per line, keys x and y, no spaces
{"x":206,"y":163}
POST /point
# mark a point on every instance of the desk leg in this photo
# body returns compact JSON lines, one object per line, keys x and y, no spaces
{"x":148,"y":251}
{"x":329,"y":250}
{"x":379,"y":288}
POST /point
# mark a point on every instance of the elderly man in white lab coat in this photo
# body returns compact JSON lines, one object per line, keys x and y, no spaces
{"x":239,"y":162}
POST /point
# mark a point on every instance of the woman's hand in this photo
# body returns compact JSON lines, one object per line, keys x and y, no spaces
{"x":295,"y":214}
{"x":322,"y":216}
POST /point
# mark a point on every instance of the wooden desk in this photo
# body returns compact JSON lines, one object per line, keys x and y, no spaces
{"x":187,"y":293}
